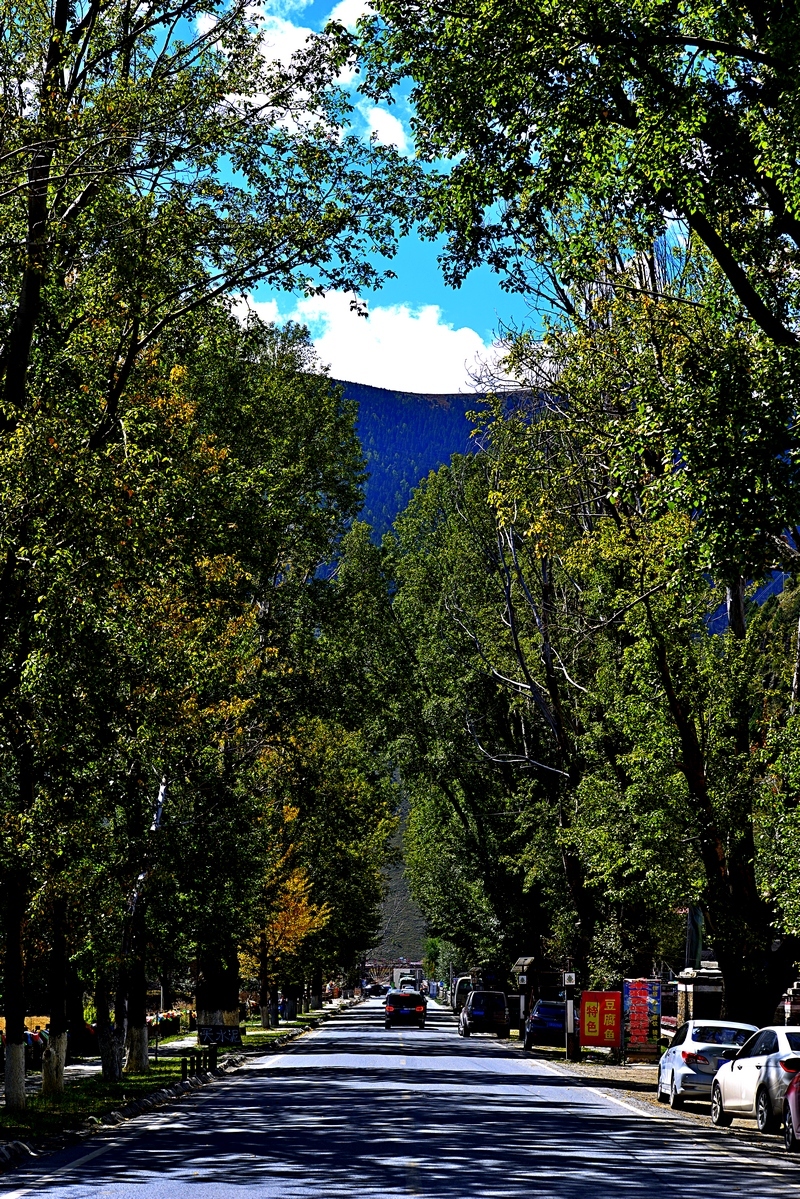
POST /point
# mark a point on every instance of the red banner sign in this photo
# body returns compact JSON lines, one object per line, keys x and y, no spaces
{"x":642,"y":1014}
{"x":601,"y":1018}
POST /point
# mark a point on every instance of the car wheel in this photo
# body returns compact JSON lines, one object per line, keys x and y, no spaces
{"x":661,"y":1094}
{"x":789,"y":1135}
{"x":466,"y":1031}
{"x":388,"y":1024}
{"x":527,"y":1043}
{"x":422,"y":1024}
{"x":719,"y":1117}
{"x":675,"y":1097}
{"x":504,"y":1034}
{"x":765,"y":1118}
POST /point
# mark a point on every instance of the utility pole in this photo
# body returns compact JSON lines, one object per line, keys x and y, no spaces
{"x":572,"y":1043}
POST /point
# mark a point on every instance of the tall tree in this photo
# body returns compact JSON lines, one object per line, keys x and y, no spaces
{"x":574,"y":133}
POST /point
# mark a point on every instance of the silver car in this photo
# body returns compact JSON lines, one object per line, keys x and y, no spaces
{"x":753,"y":1085}
{"x":698,"y":1049}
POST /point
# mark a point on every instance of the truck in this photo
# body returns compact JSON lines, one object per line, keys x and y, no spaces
{"x":404,"y":974}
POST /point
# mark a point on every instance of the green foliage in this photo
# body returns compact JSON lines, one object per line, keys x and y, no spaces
{"x":571,"y":699}
{"x":576,"y":134}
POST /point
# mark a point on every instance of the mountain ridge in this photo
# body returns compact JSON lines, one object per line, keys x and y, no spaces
{"x":405,"y":435}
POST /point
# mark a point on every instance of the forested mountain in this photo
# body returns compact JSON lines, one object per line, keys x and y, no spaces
{"x":405,"y":435}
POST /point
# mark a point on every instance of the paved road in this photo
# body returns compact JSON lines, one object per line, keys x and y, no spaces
{"x":354,"y":1110}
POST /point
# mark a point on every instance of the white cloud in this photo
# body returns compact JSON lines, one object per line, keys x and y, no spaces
{"x":387,"y":128}
{"x":408,"y":349}
{"x":282,"y":39}
{"x":347,"y":12}
{"x":267,"y":309}
{"x":282,"y":8}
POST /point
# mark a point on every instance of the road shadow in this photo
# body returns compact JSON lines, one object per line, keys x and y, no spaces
{"x":480,"y":1125}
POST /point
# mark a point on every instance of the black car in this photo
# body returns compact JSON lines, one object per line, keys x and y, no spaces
{"x":405,"y":1007}
{"x":546,"y":1023}
{"x":485,"y":1011}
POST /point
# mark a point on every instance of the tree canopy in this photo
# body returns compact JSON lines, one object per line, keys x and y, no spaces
{"x":575,"y":133}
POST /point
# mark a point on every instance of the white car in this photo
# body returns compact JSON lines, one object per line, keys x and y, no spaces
{"x":753,"y":1085}
{"x":698,"y":1049}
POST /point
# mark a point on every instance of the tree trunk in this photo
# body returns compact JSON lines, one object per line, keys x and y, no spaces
{"x":167,"y":998}
{"x":217,"y":998}
{"x":735,"y":604}
{"x":316,"y":990}
{"x":796,"y":675}
{"x":55,"y":1055}
{"x":110,"y":1037}
{"x":264,"y":980}
{"x":137,"y":1060}
{"x":53,"y":1062}
{"x":294,"y":996}
{"x":14,"y":996}
{"x":79,"y":1039}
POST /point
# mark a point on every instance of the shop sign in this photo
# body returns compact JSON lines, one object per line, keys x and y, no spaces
{"x":601,"y":1018}
{"x":642,"y":1006}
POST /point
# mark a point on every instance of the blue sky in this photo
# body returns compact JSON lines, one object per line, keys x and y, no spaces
{"x":420,"y":335}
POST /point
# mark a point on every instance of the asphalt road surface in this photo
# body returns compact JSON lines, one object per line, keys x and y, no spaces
{"x":355,"y":1110}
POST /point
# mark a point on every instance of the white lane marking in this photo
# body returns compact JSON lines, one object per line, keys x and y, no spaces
{"x":87,"y":1157}
{"x":613,"y":1099}
{"x":131,"y":1133}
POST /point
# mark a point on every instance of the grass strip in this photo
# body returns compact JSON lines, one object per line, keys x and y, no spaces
{"x":82,"y":1098}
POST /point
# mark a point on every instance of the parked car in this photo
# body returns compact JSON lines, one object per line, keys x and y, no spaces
{"x":698,"y":1049}
{"x":545,"y":1023}
{"x":791,"y":1115}
{"x":376,"y":989}
{"x":404,"y":1007}
{"x":485,"y":1011}
{"x":754,"y":1084}
{"x":461,"y":989}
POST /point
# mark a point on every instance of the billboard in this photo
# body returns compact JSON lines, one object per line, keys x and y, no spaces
{"x":601,"y":1018}
{"x":642,"y":1003}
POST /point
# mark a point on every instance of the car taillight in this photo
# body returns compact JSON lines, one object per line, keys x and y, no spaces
{"x":790,"y":1064}
{"x":694,"y":1059}
{"x":389,"y":1007}
{"x":421,"y":1008}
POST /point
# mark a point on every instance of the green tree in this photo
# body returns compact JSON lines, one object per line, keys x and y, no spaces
{"x":576,"y":133}
{"x":564,"y":580}
{"x":152,"y":161}
{"x":176,"y":575}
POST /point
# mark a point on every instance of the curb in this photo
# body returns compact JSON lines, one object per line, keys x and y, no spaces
{"x":137,"y":1107}
{"x":15,"y":1151}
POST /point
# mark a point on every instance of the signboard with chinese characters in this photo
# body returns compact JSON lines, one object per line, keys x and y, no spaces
{"x":642,"y":1005}
{"x":601,"y":1018}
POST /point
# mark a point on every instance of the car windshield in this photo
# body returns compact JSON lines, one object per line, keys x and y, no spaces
{"x":794,"y":1041}
{"x":711,"y":1034}
{"x":406,"y":999}
{"x":548,"y":1009}
{"x":490,"y":1001}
